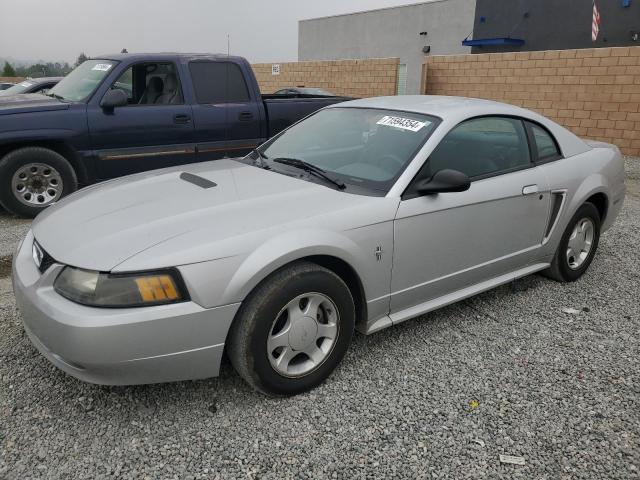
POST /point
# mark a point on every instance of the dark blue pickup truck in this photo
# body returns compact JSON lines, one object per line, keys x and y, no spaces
{"x":127,"y":113}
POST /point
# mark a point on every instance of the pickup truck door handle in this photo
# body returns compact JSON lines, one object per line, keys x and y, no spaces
{"x":529,"y":189}
{"x":245,"y":116}
{"x":181,"y":119}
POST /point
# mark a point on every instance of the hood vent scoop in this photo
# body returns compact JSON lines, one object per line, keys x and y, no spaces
{"x":196,"y":180}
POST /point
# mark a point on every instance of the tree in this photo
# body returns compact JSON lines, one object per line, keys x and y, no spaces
{"x":81,"y":59}
{"x":8,"y":70}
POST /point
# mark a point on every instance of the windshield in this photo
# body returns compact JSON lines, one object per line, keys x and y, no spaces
{"x":81,"y":82}
{"x":17,"y":88}
{"x":362,"y":147}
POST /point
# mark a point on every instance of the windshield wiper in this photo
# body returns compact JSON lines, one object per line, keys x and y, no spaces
{"x":55,"y":95}
{"x":310,"y":168}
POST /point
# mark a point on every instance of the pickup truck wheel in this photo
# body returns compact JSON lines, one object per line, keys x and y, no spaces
{"x":293,"y":330}
{"x":33,"y":178}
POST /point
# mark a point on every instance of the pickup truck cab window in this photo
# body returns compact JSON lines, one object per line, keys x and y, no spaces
{"x":151,"y":84}
{"x":218,"y":82}
{"x":83,"y":81}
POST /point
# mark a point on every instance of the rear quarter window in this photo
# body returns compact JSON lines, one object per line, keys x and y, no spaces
{"x":218,"y":82}
{"x":545,"y":145}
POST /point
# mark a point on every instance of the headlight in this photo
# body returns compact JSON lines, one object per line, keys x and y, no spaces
{"x":120,"y":290}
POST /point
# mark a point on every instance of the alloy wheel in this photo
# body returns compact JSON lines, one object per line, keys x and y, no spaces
{"x":303,"y":335}
{"x":580,"y":243}
{"x":37,"y":184}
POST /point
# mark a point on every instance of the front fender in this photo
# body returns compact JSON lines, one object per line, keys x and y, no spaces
{"x":230,"y":279}
{"x":284,"y":249}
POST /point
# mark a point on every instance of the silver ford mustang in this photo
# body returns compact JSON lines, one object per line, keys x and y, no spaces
{"x":362,"y":216}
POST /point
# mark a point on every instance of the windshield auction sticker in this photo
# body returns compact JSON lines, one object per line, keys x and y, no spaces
{"x":403,"y":123}
{"x":102,"y":67}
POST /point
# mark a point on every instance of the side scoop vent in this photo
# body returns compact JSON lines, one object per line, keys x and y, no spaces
{"x":557,"y":202}
{"x":196,"y":180}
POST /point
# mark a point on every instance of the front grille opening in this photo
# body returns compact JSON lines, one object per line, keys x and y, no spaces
{"x":47,"y":261}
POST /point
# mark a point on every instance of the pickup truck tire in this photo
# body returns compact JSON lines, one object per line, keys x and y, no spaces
{"x":293,"y":330}
{"x":32,"y":178}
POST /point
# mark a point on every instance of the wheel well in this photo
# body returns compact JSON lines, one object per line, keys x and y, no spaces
{"x":59,"y":147}
{"x":350,"y":277}
{"x":600,"y":201}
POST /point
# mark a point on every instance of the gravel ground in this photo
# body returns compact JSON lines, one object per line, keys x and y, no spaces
{"x":11,"y":231}
{"x":507,"y":372}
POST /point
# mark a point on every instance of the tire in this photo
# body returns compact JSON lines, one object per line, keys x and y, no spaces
{"x":567,"y":266}
{"x":263,"y":318}
{"x":47,"y":176}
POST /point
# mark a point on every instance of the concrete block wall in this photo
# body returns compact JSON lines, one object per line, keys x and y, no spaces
{"x":594,"y":92}
{"x":11,"y":79}
{"x":354,"y":78}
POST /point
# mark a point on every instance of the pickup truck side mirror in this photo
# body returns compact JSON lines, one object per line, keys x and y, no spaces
{"x":114,"y":98}
{"x":444,"y":181}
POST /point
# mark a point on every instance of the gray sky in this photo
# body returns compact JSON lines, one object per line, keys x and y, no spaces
{"x":261,"y":30}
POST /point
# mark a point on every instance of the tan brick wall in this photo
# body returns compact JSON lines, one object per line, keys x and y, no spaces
{"x":11,"y":79}
{"x":593,"y":92}
{"x":356,"y":78}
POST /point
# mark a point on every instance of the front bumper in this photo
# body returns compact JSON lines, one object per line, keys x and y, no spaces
{"x":118,"y":346}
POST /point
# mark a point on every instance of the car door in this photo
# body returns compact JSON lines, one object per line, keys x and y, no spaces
{"x":227,"y":119}
{"x":449,"y":241}
{"x":154,"y":130}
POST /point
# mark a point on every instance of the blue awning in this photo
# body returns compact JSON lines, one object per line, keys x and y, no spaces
{"x":492,"y":41}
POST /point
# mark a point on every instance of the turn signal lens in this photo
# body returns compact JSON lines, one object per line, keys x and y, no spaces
{"x":120,"y":290}
{"x":155,"y":289}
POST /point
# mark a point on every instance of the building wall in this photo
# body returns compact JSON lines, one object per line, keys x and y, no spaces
{"x":11,"y":79}
{"x":593,"y":92}
{"x":390,"y":32}
{"x":555,"y":24}
{"x":356,"y":78}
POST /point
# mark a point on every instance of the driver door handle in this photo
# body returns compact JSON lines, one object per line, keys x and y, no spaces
{"x":181,"y":119}
{"x":530,"y":190}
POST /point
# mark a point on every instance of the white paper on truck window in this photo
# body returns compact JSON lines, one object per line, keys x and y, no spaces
{"x":25,"y":84}
{"x":102,"y":67}
{"x":402,"y":123}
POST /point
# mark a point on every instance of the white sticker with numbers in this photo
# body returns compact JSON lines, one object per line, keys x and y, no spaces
{"x":403,"y":123}
{"x":102,"y":67}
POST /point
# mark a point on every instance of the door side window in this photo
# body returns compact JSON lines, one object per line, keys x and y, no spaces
{"x":482,"y":147}
{"x":218,"y":82}
{"x":151,"y":84}
{"x":545,"y":145}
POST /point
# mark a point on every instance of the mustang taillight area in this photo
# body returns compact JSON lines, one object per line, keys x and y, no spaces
{"x":120,"y":290}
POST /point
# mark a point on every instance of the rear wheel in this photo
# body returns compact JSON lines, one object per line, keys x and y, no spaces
{"x":33,"y":178}
{"x":578,"y":245}
{"x":293,"y":330}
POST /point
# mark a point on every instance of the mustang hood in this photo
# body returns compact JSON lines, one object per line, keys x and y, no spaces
{"x":31,"y":102}
{"x":222,"y":201}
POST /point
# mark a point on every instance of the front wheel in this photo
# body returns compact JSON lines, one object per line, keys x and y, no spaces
{"x":33,"y":178}
{"x":293,"y":330}
{"x":578,"y":245}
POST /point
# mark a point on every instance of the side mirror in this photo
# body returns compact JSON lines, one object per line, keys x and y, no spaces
{"x":114,"y":98}
{"x":444,"y":181}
